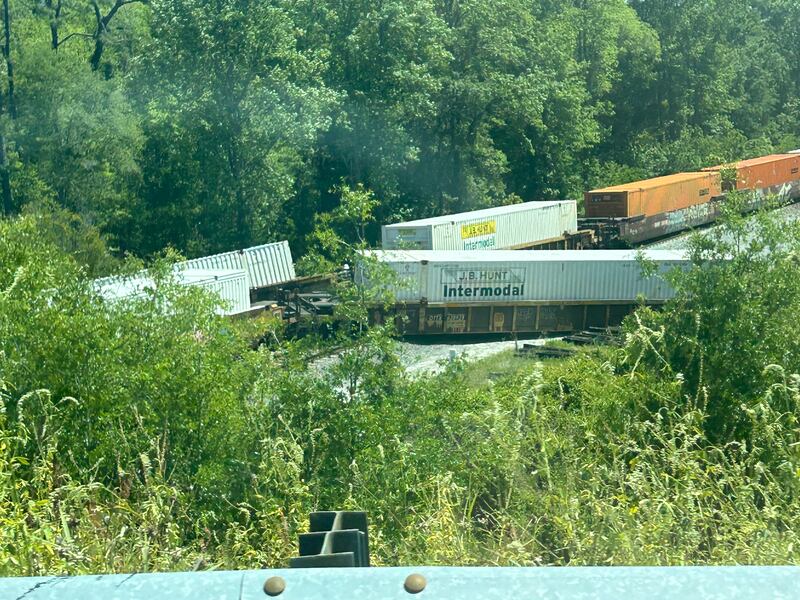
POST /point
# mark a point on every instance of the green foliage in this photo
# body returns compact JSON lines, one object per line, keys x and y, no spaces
{"x":339,"y":235}
{"x":148,"y":434}
{"x":213,"y":127}
{"x":76,"y":137}
{"x":71,"y":234}
{"x":733,"y":317}
{"x":235,"y":106}
{"x":162,"y":369}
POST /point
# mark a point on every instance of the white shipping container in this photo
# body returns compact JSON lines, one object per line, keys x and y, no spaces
{"x":270,"y":264}
{"x":501,"y":228}
{"x":230,"y":285}
{"x":508,"y":277}
{"x":795,"y":152}
{"x":266,"y":265}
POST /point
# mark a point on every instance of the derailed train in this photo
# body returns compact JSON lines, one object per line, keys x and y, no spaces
{"x":453,"y":275}
{"x":548,"y":291}
{"x":468,"y":273}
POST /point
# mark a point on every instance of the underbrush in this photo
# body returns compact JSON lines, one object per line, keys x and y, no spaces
{"x":151,"y":436}
{"x":576,"y":462}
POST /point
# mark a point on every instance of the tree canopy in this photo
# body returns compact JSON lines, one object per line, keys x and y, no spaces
{"x":214,"y":125}
{"x":152,"y":433}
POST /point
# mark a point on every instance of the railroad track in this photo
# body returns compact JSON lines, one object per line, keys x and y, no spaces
{"x":594,"y":336}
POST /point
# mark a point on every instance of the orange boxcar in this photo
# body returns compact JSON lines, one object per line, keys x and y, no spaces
{"x":653,"y":196}
{"x":765,"y":172}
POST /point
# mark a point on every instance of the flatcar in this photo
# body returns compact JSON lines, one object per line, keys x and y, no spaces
{"x":647,"y":210}
{"x":546,"y":292}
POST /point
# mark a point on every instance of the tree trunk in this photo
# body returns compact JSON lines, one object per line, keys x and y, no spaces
{"x":5,"y":179}
{"x":6,"y":104}
{"x":99,"y":45}
{"x":54,"y":26}
{"x":12,"y":109}
{"x":102,"y":27}
{"x":54,"y":16}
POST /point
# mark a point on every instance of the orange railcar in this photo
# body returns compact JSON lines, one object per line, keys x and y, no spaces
{"x":765,"y":172}
{"x":653,"y":196}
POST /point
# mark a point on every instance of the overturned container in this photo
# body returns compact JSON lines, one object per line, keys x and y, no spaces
{"x":229,"y":284}
{"x":266,"y":265}
{"x":510,"y":227}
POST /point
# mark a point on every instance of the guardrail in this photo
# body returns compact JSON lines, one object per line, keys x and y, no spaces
{"x":341,"y":539}
{"x":433,"y":583}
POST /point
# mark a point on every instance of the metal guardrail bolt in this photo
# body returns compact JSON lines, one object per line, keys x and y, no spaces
{"x":274,"y":586}
{"x":415,"y":583}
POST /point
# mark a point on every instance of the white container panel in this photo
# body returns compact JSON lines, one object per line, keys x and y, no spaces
{"x":546,"y":282}
{"x":418,"y":238}
{"x":235,"y":294}
{"x":266,"y":265}
{"x":270,"y":264}
{"x":795,"y":152}
{"x":504,"y":227}
{"x":545,"y":276}
{"x":231,"y":286}
{"x":226,"y":261}
{"x":118,"y":288}
{"x":409,"y":285}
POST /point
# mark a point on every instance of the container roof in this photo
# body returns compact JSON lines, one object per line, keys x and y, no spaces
{"x":754,"y":162}
{"x":242,"y":251}
{"x":482,"y":214}
{"x":112,"y":288}
{"x":198,"y":275}
{"x":511,"y":256}
{"x":656,"y":182}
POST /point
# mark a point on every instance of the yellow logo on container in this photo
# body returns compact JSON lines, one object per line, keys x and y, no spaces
{"x":478,"y":229}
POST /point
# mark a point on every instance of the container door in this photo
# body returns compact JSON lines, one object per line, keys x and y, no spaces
{"x":634,"y":203}
{"x":444,"y":238}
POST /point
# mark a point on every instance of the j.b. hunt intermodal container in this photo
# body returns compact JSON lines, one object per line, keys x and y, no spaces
{"x":529,"y":276}
{"x":518,"y":291}
{"x":502,"y":228}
